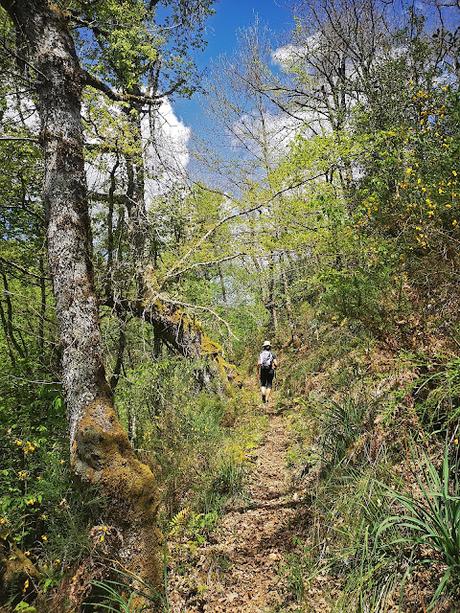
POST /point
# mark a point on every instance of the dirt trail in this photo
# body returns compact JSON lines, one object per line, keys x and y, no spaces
{"x":239,"y":570}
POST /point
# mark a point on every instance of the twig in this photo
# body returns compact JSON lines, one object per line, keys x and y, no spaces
{"x":23,"y":270}
{"x":21,"y":59}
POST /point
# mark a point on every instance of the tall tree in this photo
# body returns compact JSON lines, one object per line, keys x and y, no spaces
{"x":100,"y":450}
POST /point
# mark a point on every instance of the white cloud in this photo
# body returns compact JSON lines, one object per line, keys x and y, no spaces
{"x":288,"y":56}
{"x":166,"y":152}
{"x":165,"y":141}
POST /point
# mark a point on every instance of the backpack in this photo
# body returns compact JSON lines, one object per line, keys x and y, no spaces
{"x":266,"y":359}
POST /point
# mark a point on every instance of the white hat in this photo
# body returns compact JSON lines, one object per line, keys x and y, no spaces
{"x":267,"y":344}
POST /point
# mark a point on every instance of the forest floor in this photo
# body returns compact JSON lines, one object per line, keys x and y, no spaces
{"x":242,"y":566}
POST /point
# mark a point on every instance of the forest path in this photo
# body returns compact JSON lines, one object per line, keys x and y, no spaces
{"x":240,"y":568}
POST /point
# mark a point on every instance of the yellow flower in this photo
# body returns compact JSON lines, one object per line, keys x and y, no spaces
{"x":18,"y":442}
{"x":3,"y":521}
{"x":409,"y":170}
{"x":454,"y":222}
{"x":454,"y":172}
{"x":455,"y":441}
{"x":29,"y":447}
{"x":26,"y":585}
{"x":23,"y":474}
{"x":44,"y":538}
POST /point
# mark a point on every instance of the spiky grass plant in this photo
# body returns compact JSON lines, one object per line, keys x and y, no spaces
{"x":431,"y":520}
{"x":123,"y":595}
{"x":342,"y":423}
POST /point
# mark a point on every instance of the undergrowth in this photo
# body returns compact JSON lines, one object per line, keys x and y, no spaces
{"x":374,"y":437}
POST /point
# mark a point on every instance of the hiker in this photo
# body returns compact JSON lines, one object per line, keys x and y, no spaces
{"x":266,"y":367}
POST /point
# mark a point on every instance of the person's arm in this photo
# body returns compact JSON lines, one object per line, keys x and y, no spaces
{"x":275,"y":363}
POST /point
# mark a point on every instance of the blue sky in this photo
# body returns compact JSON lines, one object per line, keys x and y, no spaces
{"x":222,"y":34}
{"x":222,"y":31}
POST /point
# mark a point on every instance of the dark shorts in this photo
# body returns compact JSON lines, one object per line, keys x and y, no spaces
{"x":266,"y":377}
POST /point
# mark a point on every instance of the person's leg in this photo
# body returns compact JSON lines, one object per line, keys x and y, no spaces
{"x":268,"y":386}
{"x":263,"y":391}
{"x":263,"y":384}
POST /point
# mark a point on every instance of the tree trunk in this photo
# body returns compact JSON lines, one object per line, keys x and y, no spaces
{"x":270,"y":304}
{"x":135,"y":201}
{"x":100,"y":450}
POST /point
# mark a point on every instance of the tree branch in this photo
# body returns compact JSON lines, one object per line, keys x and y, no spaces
{"x":200,"y":265}
{"x":21,"y":269}
{"x":20,"y":138}
{"x":231,"y":216}
{"x":96,"y":83}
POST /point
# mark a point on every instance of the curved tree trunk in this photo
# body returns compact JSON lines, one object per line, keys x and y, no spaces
{"x":100,"y":450}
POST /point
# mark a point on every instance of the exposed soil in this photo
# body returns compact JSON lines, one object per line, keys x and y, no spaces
{"x":240,"y":568}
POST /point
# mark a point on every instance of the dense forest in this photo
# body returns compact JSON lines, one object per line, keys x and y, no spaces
{"x":319,"y":208}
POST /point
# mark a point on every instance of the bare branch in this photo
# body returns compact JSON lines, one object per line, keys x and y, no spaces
{"x":248,"y":211}
{"x":21,"y":269}
{"x":24,"y":61}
